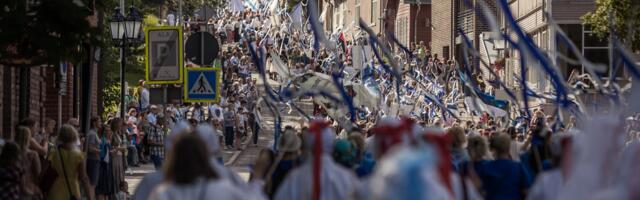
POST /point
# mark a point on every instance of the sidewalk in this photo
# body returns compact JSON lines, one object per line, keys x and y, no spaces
{"x":239,"y":161}
{"x":242,"y":161}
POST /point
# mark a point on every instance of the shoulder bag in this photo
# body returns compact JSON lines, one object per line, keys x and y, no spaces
{"x":66,"y":179}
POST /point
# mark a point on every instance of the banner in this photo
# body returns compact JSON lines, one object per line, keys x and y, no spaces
{"x":236,"y":5}
{"x":296,"y":17}
{"x":363,"y":95}
{"x":482,"y":107}
{"x":280,"y":67}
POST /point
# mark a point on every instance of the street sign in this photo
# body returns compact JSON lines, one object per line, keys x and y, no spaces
{"x":202,"y":48}
{"x":63,"y":79}
{"x":202,"y":85}
{"x":163,"y":53}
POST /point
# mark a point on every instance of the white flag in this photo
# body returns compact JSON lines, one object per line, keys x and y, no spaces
{"x":236,"y":5}
{"x":296,"y":17}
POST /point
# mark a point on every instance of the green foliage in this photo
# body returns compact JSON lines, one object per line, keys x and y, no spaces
{"x":44,"y":32}
{"x":625,"y":18}
{"x":150,"y":20}
{"x":111,"y":96}
{"x":153,"y":11}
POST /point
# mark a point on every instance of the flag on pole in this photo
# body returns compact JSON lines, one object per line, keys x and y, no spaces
{"x":343,"y":42}
{"x":236,"y":5}
{"x":296,"y":17}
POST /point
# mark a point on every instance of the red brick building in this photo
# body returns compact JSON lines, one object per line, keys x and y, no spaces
{"x":38,"y":97}
{"x":441,"y":25}
{"x":413,"y":23}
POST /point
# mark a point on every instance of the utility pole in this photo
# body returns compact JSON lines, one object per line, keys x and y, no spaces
{"x":180,"y":12}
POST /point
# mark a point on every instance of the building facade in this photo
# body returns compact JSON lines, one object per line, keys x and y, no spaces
{"x":442,"y":34}
{"x":413,"y":23}
{"x":343,"y":16}
{"x":567,"y":14}
{"x":43,"y":92}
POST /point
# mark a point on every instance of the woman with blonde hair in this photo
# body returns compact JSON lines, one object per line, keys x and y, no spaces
{"x":68,"y":161}
{"x":30,"y":163}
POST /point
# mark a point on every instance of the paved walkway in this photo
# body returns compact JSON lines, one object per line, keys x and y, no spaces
{"x":240,"y":161}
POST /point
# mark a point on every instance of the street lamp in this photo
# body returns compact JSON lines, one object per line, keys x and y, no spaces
{"x":125,"y":31}
{"x":132,"y":26}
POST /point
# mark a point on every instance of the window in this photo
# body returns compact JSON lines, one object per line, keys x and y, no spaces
{"x":463,"y":5}
{"x":597,"y":51}
{"x":403,"y":31}
{"x":574,"y":33}
{"x":445,"y":52}
{"x":374,"y":12}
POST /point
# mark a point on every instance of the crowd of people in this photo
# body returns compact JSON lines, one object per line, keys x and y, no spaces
{"x":407,"y":147}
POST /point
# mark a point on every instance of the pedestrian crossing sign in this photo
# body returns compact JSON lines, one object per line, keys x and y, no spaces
{"x":202,"y":85}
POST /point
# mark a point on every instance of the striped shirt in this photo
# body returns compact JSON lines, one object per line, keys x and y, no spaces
{"x":156,"y":136}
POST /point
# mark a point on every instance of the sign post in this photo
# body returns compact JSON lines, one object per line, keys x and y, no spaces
{"x":202,"y":85}
{"x":163,"y":53}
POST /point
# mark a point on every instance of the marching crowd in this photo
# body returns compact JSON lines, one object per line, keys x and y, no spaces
{"x":421,"y":153}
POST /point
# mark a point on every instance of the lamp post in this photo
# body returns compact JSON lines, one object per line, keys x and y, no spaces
{"x":125,"y":32}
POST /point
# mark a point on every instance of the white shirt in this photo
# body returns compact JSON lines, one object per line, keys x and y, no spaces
{"x":144,"y":98}
{"x":547,"y":186}
{"x":212,"y":189}
{"x":212,"y":112}
{"x":337,"y":182}
{"x":237,"y":106}
{"x":151,"y":118}
{"x":514,"y":150}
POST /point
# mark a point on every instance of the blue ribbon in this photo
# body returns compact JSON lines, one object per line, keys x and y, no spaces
{"x":352,"y":110}
{"x":561,"y":94}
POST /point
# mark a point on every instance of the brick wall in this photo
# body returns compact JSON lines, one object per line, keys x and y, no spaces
{"x":423,"y":20}
{"x":43,"y":95}
{"x":1,"y":98}
{"x":53,"y":89}
{"x":481,"y":24}
{"x":403,"y":23}
{"x":412,"y":22}
{"x":13,"y":113}
{"x":36,"y":92}
{"x":441,"y":22}
{"x":94,"y":89}
{"x":9,"y":99}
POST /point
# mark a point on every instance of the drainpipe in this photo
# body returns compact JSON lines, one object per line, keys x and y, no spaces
{"x":415,"y":23}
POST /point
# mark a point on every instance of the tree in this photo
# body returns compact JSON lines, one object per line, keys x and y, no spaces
{"x":43,"y":32}
{"x":153,"y":11}
{"x":625,"y":18}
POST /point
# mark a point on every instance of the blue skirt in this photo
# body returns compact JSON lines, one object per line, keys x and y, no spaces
{"x":106,"y":183}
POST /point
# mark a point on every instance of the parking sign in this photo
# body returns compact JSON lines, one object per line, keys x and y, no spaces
{"x":163,"y":51}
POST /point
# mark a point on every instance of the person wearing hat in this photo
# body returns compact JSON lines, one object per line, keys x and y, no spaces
{"x":319,"y":176}
{"x":152,"y":117}
{"x":288,"y":158}
{"x":133,"y":114}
